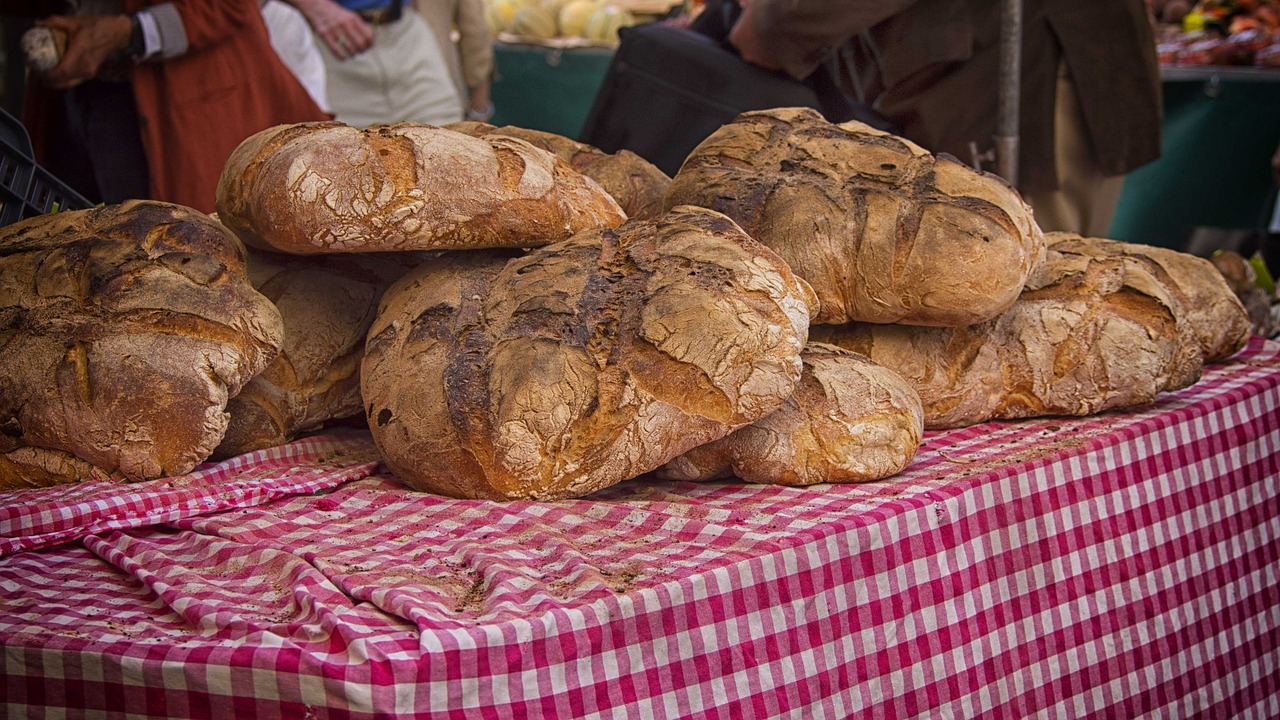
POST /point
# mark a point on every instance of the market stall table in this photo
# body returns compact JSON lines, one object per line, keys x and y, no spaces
{"x":1123,"y":565}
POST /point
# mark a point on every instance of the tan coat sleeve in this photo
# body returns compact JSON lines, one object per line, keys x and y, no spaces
{"x":803,"y":32}
{"x":470,"y":59}
{"x":475,"y":44}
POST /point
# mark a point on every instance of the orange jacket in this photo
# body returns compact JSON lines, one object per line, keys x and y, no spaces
{"x":195,"y":109}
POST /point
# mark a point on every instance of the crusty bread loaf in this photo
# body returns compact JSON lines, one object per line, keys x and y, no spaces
{"x":884,"y":231}
{"x":849,"y":420}
{"x":123,"y":332}
{"x":327,"y":303}
{"x":637,"y":184}
{"x":584,"y":363}
{"x":1208,"y":305}
{"x":1083,"y":338}
{"x":327,"y":187}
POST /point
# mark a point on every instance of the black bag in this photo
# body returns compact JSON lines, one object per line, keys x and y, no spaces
{"x":668,"y":88}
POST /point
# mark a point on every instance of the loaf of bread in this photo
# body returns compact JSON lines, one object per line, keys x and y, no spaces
{"x":637,"y":184}
{"x":1208,"y":305}
{"x":123,"y":332}
{"x":327,"y":303}
{"x":884,"y":231}
{"x":1088,"y":334}
{"x":849,"y":420}
{"x":581,"y":364}
{"x":326,"y":187}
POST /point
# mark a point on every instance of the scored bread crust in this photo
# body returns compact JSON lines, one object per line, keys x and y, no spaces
{"x":1084,"y":337}
{"x":638,"y":185}
{"x":327,"y":188}
{"x":582,"y":364}
{"x":849,"y":420}
{"x":884,"y":231}
{"x":327,"y":303}
{"x":1208,"y":305}
{"x":123,"y":332}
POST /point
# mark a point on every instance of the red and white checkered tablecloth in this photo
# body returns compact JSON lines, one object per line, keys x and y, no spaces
{"x":1118,"y":566}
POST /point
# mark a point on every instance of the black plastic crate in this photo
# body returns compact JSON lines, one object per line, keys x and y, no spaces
{"x":26,"y":189}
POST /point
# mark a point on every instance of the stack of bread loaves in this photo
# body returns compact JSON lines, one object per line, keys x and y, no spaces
{"x":940,"y":273}
{"x":598,"y":356}
{"x":479,"y":296}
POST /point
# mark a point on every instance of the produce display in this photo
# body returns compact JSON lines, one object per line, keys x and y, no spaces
{"x":1218,"y":32}
{"x":507,"y":332}
{"x":569,"y":23}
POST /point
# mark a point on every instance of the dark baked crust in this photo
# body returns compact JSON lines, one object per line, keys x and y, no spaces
{"x":123,"y":332}
{"x":581,"y":364}
{"x":884,"y":231}
{"x":330,"y":188}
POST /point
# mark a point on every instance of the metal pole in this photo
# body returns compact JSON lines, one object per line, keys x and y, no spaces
{"x":1010,"y":98}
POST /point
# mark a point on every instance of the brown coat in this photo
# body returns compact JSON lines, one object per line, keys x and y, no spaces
{"x":193,"y":110}
{"x":941,"y":70}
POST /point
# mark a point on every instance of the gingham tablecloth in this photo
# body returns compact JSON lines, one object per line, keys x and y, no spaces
{"x":1118,"y":566}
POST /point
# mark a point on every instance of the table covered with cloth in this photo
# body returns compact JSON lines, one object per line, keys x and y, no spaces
{"x":1124,"y":565}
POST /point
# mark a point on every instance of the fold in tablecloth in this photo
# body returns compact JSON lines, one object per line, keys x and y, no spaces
{"x":46,"y":516}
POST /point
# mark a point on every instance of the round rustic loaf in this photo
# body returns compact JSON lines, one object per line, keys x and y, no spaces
{"x":327,"y":303}
{"x":123,"y":332}
{"x":327,"y":188}
{"x":849,"y":420}
{"x":637,"y":184}
{"x":884,"y":231}
{"x":584,"y":363}
{"x":1084,"y":337}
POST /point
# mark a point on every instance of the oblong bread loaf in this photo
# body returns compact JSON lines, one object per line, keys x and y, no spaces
{"x":638,"y":185}
{"x":1082,"y":339}
{"x":327,"y":187}
{"x":327,"y":303}
{"x":1208,"y":305}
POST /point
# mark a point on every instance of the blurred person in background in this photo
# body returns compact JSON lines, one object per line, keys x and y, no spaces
{"x":383,"y":63}
{"x":149,"y":98}
{"x":470,"y":55}
{"x":294,"y":42}
{"x":1090,"y":91}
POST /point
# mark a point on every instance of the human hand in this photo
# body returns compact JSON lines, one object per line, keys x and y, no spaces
{"x":345,"y":34}
{"x":746,"y":39}
{"x":91,"y":41}
{"x":479,"y":107}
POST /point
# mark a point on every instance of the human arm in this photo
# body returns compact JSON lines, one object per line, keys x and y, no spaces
{"x":91,"y":42}
{"x":475,"y":51}
{"x":170,"y":30}
{"x":342,"y":31}
{"x":797,"y":35}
